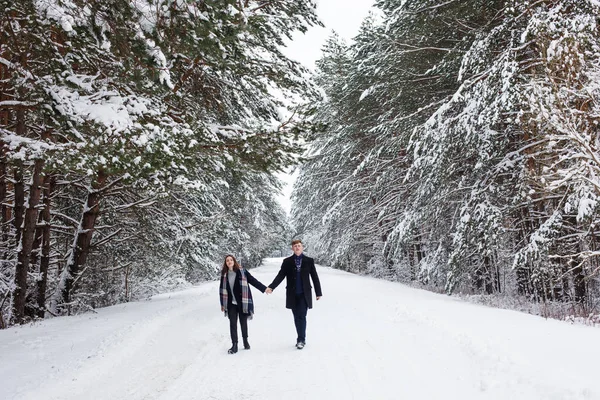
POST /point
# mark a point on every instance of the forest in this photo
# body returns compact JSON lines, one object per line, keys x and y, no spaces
{"x":139,"y":141}
{"x":451,"y":145}
{"x":460,"y":150}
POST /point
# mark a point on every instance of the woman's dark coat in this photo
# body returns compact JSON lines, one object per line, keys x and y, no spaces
{"x":237,"y":289}
{"x":288,"y":270}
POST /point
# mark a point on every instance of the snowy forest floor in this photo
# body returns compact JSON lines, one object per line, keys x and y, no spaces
{"x":366,"y":339}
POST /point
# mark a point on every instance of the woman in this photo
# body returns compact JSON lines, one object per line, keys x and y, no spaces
{"x":236,"y":299}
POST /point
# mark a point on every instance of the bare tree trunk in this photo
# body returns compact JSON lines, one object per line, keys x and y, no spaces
{"x":127,"y":283}
{"x":419,"y":250}
{"x":81,"y":244}
{"x":418,"y":256}
{"x":31,"y":306}
{"x":411,"y":263}
{"x":4,"y":210}
{"x":5,"y":217}
{"x":26,"y":243}
{"x":4,"y":121}
{"x":49,"y":183}
{"x":19,"y":205}
{"x":3,"y":324}
{"x":579,"y":284}
{"x":37,"y":241}
{"x":497,"y":275}
{"x":489,"y":276}
{"x":20,"y":291}
{"x":523,"y":273}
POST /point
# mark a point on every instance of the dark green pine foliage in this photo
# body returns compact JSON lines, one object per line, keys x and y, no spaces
{"x":460,"y":149}
{"x":435,"y":39}
{"x":142,"y":112}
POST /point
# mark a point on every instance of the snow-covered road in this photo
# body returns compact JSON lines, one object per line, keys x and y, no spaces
{"x":366,"y":339}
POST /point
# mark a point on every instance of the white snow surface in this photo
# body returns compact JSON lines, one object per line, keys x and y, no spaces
{"x":366,"y":339}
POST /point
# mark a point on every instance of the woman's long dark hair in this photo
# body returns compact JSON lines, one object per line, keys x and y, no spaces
{"x":236,"y":266}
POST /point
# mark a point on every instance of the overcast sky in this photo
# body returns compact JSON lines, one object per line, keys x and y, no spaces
{"x":341,"y":16}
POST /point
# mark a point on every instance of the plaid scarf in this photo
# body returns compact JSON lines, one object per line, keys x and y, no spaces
{"x":224,"y":293}
{"x":247,"y":304}
{"x":246,"y":296}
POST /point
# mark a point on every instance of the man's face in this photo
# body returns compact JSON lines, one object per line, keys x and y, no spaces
{"x":297,"y":248}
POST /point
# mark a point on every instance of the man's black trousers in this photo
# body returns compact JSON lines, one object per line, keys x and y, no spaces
{"x":299,"y":311}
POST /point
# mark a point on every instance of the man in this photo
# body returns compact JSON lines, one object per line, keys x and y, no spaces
{"x":297,"y":270}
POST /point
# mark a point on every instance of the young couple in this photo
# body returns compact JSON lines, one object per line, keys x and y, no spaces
{"x":236,"y":298}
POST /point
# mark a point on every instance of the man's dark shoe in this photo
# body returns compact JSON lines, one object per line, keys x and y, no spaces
{"x":300,"y":345}
{"x":246,"y":344}
{"x":233,"y":349}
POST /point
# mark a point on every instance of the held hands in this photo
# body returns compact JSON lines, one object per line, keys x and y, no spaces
{"x":268,"y":290}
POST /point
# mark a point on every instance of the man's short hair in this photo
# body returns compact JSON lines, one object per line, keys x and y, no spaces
{"x":296,"y":241}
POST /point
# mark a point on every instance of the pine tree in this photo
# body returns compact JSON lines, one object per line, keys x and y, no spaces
{"x":468,"y":130}
{"x":120,"y":103}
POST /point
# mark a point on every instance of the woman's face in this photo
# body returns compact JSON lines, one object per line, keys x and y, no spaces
{"x":229,"y":262}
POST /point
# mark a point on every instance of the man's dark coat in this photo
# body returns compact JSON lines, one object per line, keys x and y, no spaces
{"x":288,"y":270}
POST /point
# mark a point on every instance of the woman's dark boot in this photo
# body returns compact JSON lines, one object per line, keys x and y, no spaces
{"x":233,"y":348}
{"x":246,"y":344}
